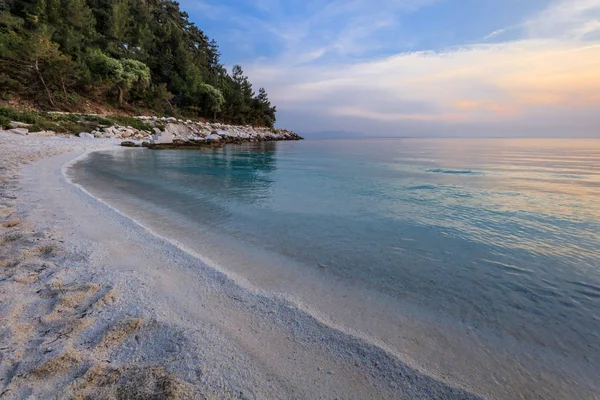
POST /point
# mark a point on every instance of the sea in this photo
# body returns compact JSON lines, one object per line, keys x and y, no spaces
{"x":478,"y":259}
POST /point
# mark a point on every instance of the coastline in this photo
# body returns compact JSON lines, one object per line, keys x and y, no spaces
{"x":206,"y":336}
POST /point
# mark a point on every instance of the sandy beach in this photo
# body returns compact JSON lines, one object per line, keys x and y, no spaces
{"x":94,"y":305}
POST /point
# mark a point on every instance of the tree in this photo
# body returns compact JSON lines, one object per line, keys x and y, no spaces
{"x":135,"y":74}
{"x":213,"y":98}
{"x":125,"y":74}
{"x":146,"y":50}
{"x":264,"y":114}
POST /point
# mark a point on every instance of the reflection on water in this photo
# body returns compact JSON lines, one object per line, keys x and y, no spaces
{"x":501,"y":234}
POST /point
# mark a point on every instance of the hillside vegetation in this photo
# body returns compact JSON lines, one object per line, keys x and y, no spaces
{"x":123,"y":54}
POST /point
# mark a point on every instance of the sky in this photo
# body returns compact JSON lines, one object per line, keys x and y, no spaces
{"x":475,"y":68}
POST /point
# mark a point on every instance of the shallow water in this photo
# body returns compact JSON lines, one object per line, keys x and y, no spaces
{"x":501,"y":235}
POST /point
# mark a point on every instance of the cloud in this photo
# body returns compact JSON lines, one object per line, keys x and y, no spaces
{"x":500,"y":32}
{"x":339,"y":67}
{"x":548,"y":72}
{"x":566,"y":18}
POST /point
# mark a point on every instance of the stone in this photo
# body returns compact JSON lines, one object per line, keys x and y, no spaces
{"x":17,"y":124}
{"x":86,"y":135}
{"x":128,"y":143}
{"x":127,"y":133}
{"x":42,"y":133}
{"x":178,"y":130}
{"x":222,"y":132}
{"x":163,"y":137}
{"x":213,"y":137}
{"x":19,"y":131}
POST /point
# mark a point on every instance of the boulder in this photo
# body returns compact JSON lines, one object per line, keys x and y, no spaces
{"x":19,"y":131}
{"x":178,"y":130}
{"x":86,"y":135}
{"x":163,"y":137}
{"x":213,"y":137}
{"x":128,"y":143}
{"x":17,"y":124}
{"x":127,"y":133}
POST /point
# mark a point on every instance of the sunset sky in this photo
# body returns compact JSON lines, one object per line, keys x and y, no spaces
{"x":418,"y":67}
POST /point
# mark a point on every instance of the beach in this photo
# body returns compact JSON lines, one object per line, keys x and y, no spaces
{"x":95,"y":305}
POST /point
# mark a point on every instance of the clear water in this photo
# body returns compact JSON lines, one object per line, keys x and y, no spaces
{"x":503,"y":235}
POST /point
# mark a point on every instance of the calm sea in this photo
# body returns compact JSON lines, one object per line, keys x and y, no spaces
{"x":502,"y":236}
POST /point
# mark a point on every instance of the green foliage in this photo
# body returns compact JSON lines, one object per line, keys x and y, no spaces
{"x":143,"y":53}
{"x":129,"y":121}
{"x":213,"y":98}
{"x":103,"y":67}
{"x":4,"y":121}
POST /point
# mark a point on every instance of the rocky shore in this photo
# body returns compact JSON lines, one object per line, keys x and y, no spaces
{"x":178,"y":133}
{"x":170,"y":132}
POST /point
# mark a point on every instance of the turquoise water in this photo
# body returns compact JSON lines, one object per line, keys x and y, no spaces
{"x":503,"y":235}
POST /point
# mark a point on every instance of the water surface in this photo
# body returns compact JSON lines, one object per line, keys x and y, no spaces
{"x":499,"y":235}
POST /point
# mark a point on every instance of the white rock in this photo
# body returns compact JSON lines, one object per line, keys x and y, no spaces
{"x":214,"y":137}
{"x":229,"y":133}
{"x":16,"y":124}
{"x":19,"y":131}
{"x":178,"y":130}
{"x":86,"y":135}
{"x":127,"y":133}
{"x":164,"y":137}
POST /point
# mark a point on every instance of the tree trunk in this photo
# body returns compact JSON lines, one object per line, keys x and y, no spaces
{"x":62,"y":81}
{"x":37,"y":69}
{"x":121,"y":95}
{"x":169,"y":103}
{"x":214,"y":115}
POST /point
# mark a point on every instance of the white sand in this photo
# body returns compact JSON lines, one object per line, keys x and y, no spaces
{"x":92,"y":304}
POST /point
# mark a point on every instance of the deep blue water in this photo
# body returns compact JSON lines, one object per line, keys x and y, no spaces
{"x":500,"y":234}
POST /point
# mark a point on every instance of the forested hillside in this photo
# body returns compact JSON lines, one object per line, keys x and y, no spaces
{"x":127,"y":54}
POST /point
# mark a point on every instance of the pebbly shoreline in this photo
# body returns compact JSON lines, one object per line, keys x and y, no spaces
{"x":170,"y":132}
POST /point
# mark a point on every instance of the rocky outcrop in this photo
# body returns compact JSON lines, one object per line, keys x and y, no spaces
{"x":177,"y":133}
{"x":170,"y":132}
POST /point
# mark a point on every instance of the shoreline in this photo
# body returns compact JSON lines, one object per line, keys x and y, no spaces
{"x":286,"y":350}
